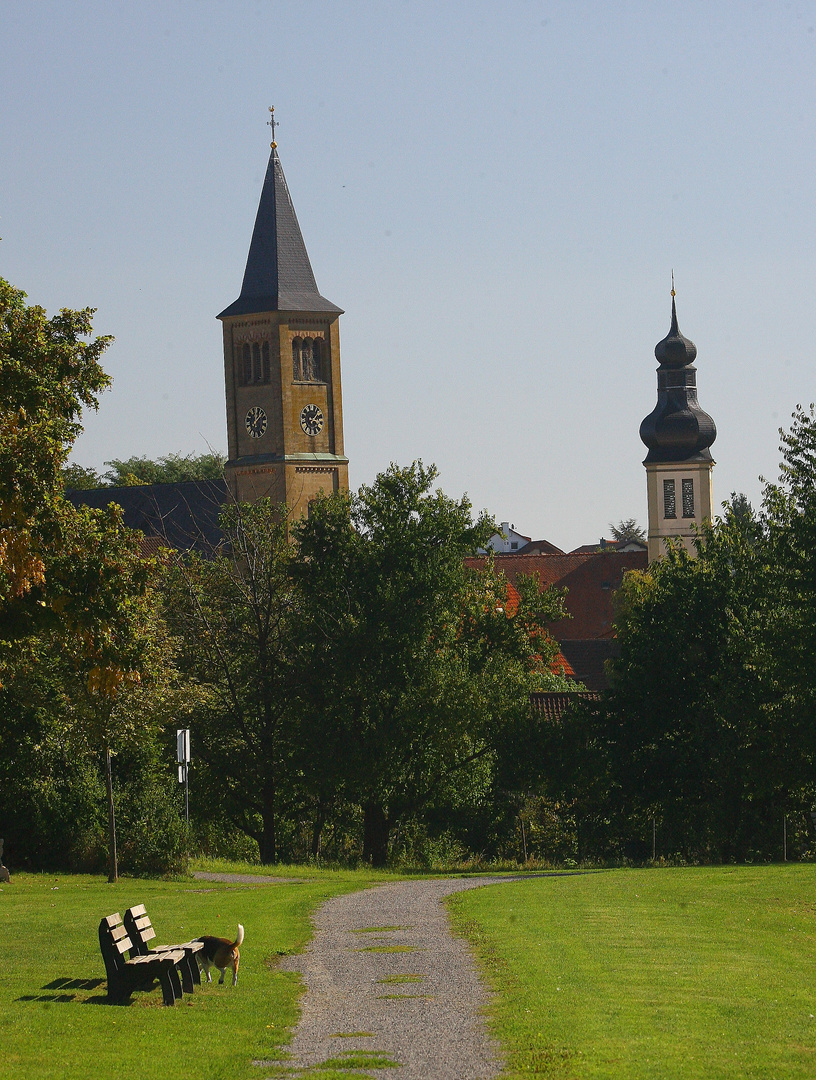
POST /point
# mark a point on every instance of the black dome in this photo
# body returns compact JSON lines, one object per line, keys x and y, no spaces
{"x":675,"y":351}
{"x":677,"y":429}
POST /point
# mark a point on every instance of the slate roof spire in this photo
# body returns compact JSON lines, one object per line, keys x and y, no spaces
{"x":278,"y":275}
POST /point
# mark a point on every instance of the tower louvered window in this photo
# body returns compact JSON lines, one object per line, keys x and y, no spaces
{"x":688,"y":498}
{"x":669,"y":500}
{"x":247,"y":365}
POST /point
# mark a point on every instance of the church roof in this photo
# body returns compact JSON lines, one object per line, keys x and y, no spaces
{"x":182,"y":516}
{"x":278,"y":275}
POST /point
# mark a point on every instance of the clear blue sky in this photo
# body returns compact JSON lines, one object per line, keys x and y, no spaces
{"x":495,"y":193}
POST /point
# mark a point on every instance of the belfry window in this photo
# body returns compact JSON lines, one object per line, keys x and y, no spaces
{"x":307,"y":359}
{"x":253,"y":363}
{"x":688,"y":498}
{"x":669,"y":500}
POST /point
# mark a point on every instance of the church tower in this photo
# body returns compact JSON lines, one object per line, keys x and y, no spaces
{"x":678,"y":434}
{"x":282,"y":366}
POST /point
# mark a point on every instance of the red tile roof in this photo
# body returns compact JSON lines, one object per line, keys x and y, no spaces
{"x":590,"y":579}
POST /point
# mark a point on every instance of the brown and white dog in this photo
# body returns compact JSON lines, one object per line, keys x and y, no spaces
{"x":221,"y":953}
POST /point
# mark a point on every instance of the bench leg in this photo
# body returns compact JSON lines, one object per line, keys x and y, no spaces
{"x":170,"y":982}
{"x":187,"y":966}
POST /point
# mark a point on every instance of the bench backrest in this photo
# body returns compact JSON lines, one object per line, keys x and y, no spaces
{"x":139,"y":928}
{"x":114,"y":943}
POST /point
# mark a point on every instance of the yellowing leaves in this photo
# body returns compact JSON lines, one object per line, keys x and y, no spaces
{"x":107,"y":681}
{"x":19,"y":563}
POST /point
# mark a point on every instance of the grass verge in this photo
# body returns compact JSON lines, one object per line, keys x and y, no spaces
{"x":54,"y":1016}
{"x":671,"y":974}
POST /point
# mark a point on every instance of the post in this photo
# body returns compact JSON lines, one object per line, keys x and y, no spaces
{"x":183,"y":758}
{"x":784,"y":838}
{"x":654,"y":836}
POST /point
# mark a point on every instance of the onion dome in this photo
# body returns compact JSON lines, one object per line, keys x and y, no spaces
{"x":677,"y":429}
{"x":675,"y":351}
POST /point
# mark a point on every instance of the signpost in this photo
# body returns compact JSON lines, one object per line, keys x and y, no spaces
{"x":183,"y":759}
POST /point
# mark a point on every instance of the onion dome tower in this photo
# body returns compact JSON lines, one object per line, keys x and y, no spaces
{"x":282,"y":365}
{"x":678,"y":435}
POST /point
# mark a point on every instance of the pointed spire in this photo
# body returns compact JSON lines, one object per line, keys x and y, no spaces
{"x":278,"y":275}
{"x":675,"y":351}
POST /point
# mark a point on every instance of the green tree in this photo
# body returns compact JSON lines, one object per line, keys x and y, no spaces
{"x":236,"y":617}
{"x":73,"y":585}
{"x":412,"y":665}
{"x":171,"y":469}
{"x":48,"y":375}
{"x":628,"y":530}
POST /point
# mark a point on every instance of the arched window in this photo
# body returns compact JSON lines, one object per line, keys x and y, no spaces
{"x":296,"y":368}
{"x":265,"y":354}
{"x":306,"y":360}
{"x":317,"y":360}
{"x":257,"y":375}
{"x":247,"y":365}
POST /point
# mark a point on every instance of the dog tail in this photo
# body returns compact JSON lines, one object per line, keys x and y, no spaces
{"x":240,"y":937}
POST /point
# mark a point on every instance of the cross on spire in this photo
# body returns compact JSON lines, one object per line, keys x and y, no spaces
{"x":272,"y":123}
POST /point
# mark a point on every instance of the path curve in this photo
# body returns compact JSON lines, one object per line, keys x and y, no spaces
{"x":385,"y":975}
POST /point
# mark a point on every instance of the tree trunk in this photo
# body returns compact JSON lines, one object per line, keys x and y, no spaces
{"x":317,"y":831}
{"x":268,"y":844}
{"x":376,"y":828}
{"x":113,"y":868}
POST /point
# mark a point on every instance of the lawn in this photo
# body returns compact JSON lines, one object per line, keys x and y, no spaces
{"x":54,"y":1019}
{"x":654,"y":973}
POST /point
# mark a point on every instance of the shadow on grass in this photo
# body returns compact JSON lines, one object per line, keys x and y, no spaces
{"x":65,"y":984}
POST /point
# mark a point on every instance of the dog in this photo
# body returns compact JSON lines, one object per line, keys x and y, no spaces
{"x":221,"y":953}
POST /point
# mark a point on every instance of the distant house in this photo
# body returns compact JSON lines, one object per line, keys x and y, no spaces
{"x":586,"y":639}
{"x":611,"y":545}
{"x":508,"y":541}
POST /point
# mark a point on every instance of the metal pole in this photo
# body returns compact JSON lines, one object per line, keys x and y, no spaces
{"x":654,"y":837}
{"x":187,"y":794}
{"x":784,"y":838}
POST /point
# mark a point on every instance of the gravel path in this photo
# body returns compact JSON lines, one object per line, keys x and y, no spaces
{"x":385,"y":976}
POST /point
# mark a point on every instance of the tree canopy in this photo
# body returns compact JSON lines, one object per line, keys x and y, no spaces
{"x":132,"y":471}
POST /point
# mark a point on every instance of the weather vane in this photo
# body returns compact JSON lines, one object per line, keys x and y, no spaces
{"x":273,"y":123}
{"x":672,"y":282}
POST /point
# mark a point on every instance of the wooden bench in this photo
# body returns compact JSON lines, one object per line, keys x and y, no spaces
{"x":140,"y":931}
{"x":138,"y":972}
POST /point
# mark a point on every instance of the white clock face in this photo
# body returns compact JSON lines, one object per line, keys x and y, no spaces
{"x":256,"y":422}
{"x":311,"y":419}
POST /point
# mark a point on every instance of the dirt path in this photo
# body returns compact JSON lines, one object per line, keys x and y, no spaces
{"x":386,"y":978}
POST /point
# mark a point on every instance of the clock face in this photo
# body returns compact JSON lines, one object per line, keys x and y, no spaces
{"x":255,"y":422}
{"x":311,"y":419}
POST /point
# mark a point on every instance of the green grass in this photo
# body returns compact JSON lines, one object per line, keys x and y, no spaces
{"x":659,"y":973}
{"x":54,"y":1017}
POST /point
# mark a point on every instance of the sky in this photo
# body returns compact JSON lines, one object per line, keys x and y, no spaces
{"x":496,"y":195}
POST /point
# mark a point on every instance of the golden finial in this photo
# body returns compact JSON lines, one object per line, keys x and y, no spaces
{"x":272,"y":122}
{"x":673,"y":293}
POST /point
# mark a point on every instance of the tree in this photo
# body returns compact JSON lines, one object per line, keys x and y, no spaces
{"x":73,"y":585}
{"x":48,"y":375}
{"x":411,"y":664}
{"x":235,"y":615}
{"x":134,"y":471}
{"x":626,"y":531}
